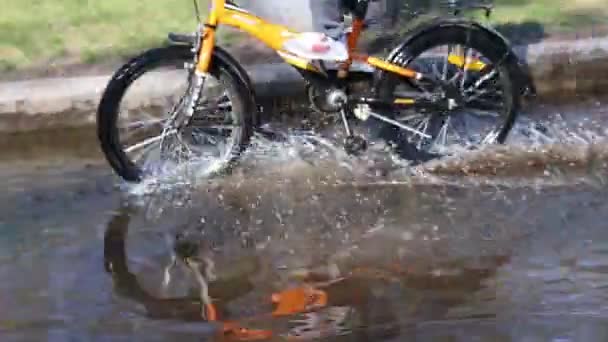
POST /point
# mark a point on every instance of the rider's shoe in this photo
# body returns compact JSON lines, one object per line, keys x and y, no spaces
{"x":317,"y":46}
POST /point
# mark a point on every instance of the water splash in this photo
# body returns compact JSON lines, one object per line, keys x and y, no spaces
{"x":555,"y":144}
{"x":550,"y":146}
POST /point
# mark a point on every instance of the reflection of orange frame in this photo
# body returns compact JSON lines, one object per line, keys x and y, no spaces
{"x":274,"y":36}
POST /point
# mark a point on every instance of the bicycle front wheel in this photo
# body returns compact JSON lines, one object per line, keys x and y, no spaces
{"x":137,"y":115}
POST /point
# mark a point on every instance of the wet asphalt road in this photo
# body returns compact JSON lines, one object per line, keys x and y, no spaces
{"x":442,"y":260}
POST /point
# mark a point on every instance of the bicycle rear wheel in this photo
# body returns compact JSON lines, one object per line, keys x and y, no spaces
{"x":472,"y":62}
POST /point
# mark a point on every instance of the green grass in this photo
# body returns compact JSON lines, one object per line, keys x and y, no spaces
{"x":36,"y":31}
{"x":554,"y":15}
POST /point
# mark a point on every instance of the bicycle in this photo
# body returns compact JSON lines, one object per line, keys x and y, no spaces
{"x":492,"y":78}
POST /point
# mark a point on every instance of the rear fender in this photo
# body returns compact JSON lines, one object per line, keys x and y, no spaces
{"x":519,"y":68}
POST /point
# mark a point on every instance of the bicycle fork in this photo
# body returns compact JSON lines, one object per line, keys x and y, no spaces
{"x":202,"y":50}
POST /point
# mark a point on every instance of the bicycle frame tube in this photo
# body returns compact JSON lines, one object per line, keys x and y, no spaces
{"x":274,"y":36}
{"x":353,"y":39}
{"x":208,"y":36}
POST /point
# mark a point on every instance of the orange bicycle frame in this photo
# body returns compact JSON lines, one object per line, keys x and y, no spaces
{"x":274,"y":36}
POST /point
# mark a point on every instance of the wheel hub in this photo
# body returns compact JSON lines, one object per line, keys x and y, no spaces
{"x":327,"y":100}
{"x":452,"y":99}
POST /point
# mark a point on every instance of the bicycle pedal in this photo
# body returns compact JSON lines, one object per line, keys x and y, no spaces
{"x":362,"y":112}
{"x":354,"y":144}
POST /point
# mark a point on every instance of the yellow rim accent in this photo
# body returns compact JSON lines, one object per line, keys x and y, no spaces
{"x":472,"y":64}
{"x":405,"y":101}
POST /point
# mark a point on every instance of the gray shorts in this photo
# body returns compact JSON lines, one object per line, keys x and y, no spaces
{"x":328,"y":16}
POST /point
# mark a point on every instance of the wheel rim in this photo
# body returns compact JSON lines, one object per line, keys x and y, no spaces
{"x":481,"y":106}
{"x":154,"y":144}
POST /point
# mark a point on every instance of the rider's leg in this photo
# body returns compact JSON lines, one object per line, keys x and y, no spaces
{"x":328,"y":17}
{"x":327,"y":42}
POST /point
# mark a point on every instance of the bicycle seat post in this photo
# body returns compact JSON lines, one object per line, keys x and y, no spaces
{"x":359,"y":11}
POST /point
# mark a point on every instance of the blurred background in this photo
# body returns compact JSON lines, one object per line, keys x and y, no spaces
{"x":58,"y":36}
{"x":507,"y":244}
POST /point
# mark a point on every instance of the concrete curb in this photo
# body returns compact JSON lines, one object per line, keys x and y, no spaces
{"x":565,"y":70}
{"x":559,"y":70}
{"x":57,"y":103}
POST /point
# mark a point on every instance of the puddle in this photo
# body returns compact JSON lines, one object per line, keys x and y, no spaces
{"x":484,"y":247}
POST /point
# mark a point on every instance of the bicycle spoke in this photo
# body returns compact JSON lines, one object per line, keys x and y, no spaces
{"x":445,"y":65}
{"x":490,"y":138}
{"x":466,"y":57}
{"x":411,"y":117}
{"x":423,"y":127}
{"x":149,"y":141}
{"x":398,"y":124}
{"x":485,"y":104}
{"x":142,"y":123}
{"x":482,"y":113}
{"x":482,"y":80}
{"x":443,"y":133}
{"x":141,"y":129}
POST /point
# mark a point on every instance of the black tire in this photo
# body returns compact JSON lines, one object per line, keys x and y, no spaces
{"x":243,"y":105}
{"x":448,"y":34}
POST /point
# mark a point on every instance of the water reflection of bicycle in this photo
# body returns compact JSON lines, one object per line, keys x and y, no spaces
{"x":361,"y":303}
{"x":191,"y":308}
